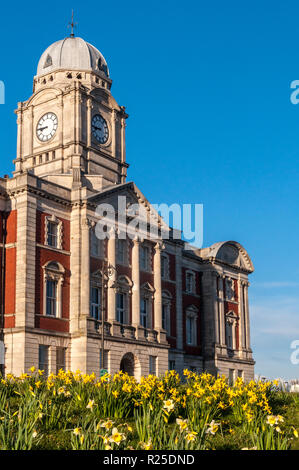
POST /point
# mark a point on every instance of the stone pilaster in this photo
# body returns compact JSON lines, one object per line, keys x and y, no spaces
{"x":136,"y":284}
{"x":25,"y":263}
{"x":247,"y":322}
{"x":111,"y":314}
{"x":85,"y":269}
{"x":158,"y":287}
{"x":75,"y":263}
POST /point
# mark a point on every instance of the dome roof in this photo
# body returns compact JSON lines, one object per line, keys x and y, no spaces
{"x":72,"y":53}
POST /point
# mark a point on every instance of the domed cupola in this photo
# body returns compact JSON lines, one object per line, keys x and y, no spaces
{"x":72,"y":53}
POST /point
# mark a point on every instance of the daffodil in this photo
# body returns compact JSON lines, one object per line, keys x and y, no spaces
{"x":90,"y":404}
{"x":213,"y":427}
{"x":191,"y":436}
{"x":116,"y":436}
{"x":168,"y":405}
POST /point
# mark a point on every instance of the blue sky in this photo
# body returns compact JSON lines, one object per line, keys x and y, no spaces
{"x":207,"y":88}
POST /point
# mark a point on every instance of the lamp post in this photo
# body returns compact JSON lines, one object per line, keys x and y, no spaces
{"x":106,"y":273}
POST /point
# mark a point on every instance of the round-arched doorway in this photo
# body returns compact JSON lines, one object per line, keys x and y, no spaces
{"x":130,"y":365}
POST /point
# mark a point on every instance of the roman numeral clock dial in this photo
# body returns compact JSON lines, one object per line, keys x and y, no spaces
{"x":99,"y":129}
{"x":46,"y":127}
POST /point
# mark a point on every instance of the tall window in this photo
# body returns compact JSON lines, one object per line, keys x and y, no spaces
{"x":229,"y":333}
{"x":153,"y":365}
{"x":51,"y":300}
{"x":106,"y":353}
{"x":164,"y":266}
{"x":95,"y":244}
{"x":60,"y":359}
{"x":95,"y":305}
{"x":191,"y":326}
{"x":144,"y":258}
{"x":43,"y":358}
{"x":52,"y":234}
{"x":229,"y":289}
{"x":166,"y":317}
{"x":52,"y":292}
{"x":121,"y":307}
{"x":144,"y":312}
{"x":231,"y":376}
{"x":190,"y":282}
{"x":121,"y":251}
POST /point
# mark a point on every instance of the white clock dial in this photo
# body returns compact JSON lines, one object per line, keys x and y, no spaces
{"x":99,"y":129}
{"x":46,"y":127}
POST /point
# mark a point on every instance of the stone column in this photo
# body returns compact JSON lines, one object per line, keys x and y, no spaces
{"x":136,"y":284}
{"x":111,"y":314}
{"x":158,"y":287}
{"x":85,"y":269}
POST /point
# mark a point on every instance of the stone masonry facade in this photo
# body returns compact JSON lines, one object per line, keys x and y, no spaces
{"x":165,"y":307}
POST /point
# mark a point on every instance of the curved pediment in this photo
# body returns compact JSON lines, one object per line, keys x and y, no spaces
{"x":230,"y":252}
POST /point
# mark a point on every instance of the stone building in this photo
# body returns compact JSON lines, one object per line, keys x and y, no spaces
{"x":165,"y":306}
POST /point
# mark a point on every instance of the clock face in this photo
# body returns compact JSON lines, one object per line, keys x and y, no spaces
{"x":99,"y":129}
{"x":46,"y":127}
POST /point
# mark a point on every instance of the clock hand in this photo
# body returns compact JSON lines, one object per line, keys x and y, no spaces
{"x":99,"y":128}
{"x":42,"y":128}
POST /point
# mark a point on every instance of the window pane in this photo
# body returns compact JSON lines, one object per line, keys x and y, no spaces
{"x":43,"y":358}
{"x":52,"y":234}
{"x":120,"y":307}
{"x":95,"y":305}
{"x":60,"y":359}
{"x":152,"y":364}
{"x":51,"y":296}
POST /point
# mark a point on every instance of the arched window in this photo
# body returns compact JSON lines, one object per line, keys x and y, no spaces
{"x":191,"y":325}
{"x":53,"y":281}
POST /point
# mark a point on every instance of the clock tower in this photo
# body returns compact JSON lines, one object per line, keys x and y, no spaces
{"x":71,"y":130}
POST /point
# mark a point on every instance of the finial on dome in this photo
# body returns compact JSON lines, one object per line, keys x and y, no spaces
{"x":72,"y":25}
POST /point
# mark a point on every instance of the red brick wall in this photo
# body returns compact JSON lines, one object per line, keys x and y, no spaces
{"x":10,"y":271}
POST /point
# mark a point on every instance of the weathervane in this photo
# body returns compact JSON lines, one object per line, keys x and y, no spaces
{"x":72,"y":25}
